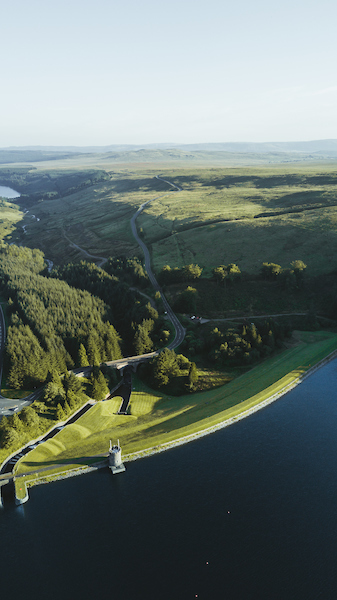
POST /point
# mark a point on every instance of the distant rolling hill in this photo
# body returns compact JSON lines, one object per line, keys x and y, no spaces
{"x":23,"y":155}
{"x":231,"y":152}
{"x":250,"y":147}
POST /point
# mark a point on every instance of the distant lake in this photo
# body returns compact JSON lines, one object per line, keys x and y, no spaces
{"x":247,"y":513}
{"x":7,"y":192}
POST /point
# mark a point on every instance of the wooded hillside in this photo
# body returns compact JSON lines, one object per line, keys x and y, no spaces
{"x":50,"y":322}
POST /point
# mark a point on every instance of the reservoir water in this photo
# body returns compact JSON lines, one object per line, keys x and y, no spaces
{"x":247,"y":513}
{"x":7,"y":192}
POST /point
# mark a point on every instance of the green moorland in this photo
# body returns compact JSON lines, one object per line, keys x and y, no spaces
{"x":78,"y":207}
{"x":240,"y":214}
{"x":156,"y":419}
{"x":246,"y":216}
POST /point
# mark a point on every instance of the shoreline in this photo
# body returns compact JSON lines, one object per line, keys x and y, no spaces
{"x":227,"y":422}
{"x":193,"y":436}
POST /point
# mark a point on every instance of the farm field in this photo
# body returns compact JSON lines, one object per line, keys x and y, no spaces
{"x":156,"y":419}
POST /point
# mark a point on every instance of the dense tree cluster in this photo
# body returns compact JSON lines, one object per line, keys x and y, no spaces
{"x":242,"y":345}
{"x":170,"y":369}
{"x":62,"y":396}
{"x":64,"y":391}
{"x":50,"y":321}
{"x":128,"y":308}
{"x":130,"y":270}
{"x":290,"y":278}
{"x":14,"y":429}
{"x":186,"y":302}
{"x":177,"y":275}
{"x":151,"y":333}
{"x":56,"y":325}
{"x":224,"y":274}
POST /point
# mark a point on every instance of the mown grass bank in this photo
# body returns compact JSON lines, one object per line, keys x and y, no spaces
{"x":157,"y":420}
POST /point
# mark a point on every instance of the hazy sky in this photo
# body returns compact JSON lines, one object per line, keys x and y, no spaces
{"x":98,"y":72}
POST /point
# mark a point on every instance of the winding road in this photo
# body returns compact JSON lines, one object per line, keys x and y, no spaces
{"x":179,"y":329}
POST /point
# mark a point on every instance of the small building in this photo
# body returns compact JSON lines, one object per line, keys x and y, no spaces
{"x":115,"y":459}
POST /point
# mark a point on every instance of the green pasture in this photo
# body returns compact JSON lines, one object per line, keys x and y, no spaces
{"x":156,"y":419}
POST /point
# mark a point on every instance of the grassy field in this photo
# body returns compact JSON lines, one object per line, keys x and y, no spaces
{"x":156,"y":419}
{"x":11,"y":218}
{"x":242,"y":214}
{"x":246,"y":216}
{"x":97,"y":218}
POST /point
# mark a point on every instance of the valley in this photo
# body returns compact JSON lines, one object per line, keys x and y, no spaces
{"x":78,"y":214}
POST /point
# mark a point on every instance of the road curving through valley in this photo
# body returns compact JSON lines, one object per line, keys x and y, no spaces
{"x":179,"y":329}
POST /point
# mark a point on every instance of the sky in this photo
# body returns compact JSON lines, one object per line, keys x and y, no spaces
{"x":101,"y":72}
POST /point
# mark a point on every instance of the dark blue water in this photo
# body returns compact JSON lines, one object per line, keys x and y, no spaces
{"x":247,"y":513}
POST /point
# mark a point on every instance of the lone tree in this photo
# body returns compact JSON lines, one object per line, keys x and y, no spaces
{"x":233,"y":272}
{"x":220,"y":274}
{"x":192,"y":376}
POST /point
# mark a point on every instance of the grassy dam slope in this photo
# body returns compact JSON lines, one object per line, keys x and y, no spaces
{"x":157,"y":422}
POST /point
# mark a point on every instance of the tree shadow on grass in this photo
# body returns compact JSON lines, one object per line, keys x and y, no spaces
{"x":51,"y":464}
